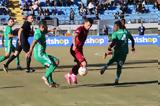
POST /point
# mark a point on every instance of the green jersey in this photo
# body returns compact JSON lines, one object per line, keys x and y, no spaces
{"x":7,"y":40}
{"x":121,"y":38}
{"x":39,"y":49}
{"x":41,"y":44}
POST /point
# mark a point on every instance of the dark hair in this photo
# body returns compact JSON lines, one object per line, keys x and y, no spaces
{"x":43,"y":23}
{"x":119,"y":24}
{"x":90,"y":20}
{"x":123,"y":20}
{"x":124,"y":27}
{"x":28,"y":16}
{"x":10,"y":18}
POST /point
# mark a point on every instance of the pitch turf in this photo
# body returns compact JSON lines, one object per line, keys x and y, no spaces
{"x":138,"y":83}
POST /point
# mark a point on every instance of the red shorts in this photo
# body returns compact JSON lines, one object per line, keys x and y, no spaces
{"x":78,"y":55}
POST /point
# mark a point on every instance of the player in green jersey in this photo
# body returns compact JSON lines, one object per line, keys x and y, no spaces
{"x":7,"y":43}
{"x":39,"y":48}
{"x":120,"y":43}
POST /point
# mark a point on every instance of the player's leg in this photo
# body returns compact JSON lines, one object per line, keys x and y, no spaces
{"x":13,"y":56}
{"x":44,"y":60}
{"x":79,"y":59}
{"x":50,"y":79}
{"x":51,"y":82}
{"x":81,"y":62}
{"x":18,"y":63}
{"x":50,"y":68}
{"x":8,"y":50}
{"x":118,"y":72}
{"x":55,"y":62}
{"x":53,"y":59}
{"x":26,"y":46}
{"x":7,"y":55}
{"x":111,"y":61}
{"x":120,"y":63}
{"x":74,"y":69}
{"x":68,"y":75}
{"x":48,"y":74}
{"x":73,"y":75}
{"x":17,"y":58}
{"x":2,"y":58}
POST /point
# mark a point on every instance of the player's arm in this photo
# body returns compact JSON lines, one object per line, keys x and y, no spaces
{"x":109,"y":52}
{"x":2,"y":40}
{"x":76,"y":34}
{"x":31,"y":31}
{"x":10,"y":35}
{"x":19,"y":34}
{"x":10,"y":38}
{"x":31,"y":48}
{"x":132,"y":41}
{"x":113,"y":42}
{"x":37,"y":36}
{"x":111,"y":45}
{"x":74,"y":41}
{"x":144,"y":28}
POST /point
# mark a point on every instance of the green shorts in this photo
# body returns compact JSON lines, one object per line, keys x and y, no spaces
{"x":9,"y":49}
{"x":45,"y":59}
{"x":119,"y":58}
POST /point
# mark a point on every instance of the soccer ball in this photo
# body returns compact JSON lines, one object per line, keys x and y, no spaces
{"x":82,"y":71}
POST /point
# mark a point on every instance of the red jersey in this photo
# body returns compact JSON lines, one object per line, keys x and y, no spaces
{"x":82,"y":36}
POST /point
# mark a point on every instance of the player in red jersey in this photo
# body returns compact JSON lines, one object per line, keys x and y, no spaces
{"x":76,"y":50}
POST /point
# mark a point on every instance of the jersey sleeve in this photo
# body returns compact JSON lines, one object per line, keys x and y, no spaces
{"x":78,"y":31}
{"x":114,"y":36}
{"x":37,"y":35}
{"x":9,"y":30}
{"x":24,"y":26}
{"x":129,"y":35}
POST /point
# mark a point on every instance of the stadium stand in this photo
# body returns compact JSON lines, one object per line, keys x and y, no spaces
{"x":4,"y":13}
{"x":61,"y":10}
{"x":15,"y":10}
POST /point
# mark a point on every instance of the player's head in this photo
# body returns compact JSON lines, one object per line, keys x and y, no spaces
{"x":43,"y":26}
{"x":88,"y":23}
{"x":10,"y":21}
{"x":123,"y":21}
{"x":29,"y":18}
{"x":117,"y":25}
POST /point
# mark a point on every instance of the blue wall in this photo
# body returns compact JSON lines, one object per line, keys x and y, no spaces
{"x":96,"y":40}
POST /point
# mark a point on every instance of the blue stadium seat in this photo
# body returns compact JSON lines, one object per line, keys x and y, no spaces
{"x":107,"y":14}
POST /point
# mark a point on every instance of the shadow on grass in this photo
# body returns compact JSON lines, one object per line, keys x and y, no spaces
{"x":10,"y":87}
{"x":124,"y":84}
{"x":99,"y":65}
{"x":60,"y":69}
{"x":102,"y":64}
